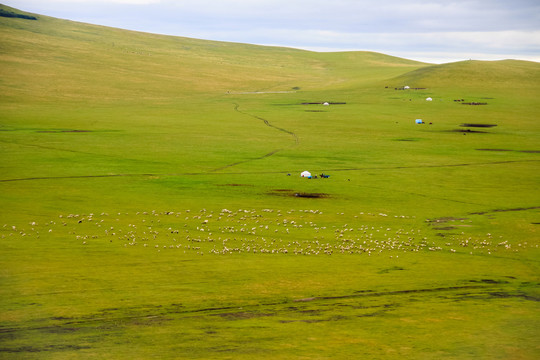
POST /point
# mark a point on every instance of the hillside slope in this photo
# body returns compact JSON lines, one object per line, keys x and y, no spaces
{"x":476,"y":74}
{"x":49,"y":58}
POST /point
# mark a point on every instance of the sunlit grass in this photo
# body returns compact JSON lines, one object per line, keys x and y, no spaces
{"x":152,"y":204}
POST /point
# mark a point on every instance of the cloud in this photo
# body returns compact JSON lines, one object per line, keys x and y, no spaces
{"x":458,"y":26}
{"x":96,"y":2}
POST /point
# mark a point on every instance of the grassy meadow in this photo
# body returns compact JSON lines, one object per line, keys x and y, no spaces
{"x":152,"y":204}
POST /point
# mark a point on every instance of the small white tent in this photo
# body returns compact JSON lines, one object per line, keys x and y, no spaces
{"x":326,"y":104}
{"x":429,"y":99}
{"x":406,"y":87}
{"x":306,"y":174}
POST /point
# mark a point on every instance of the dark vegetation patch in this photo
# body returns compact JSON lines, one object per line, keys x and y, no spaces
{"x":399,"y":292}
{"x":478,"y":125}
{"x":293,"y":193}
{"x":243,"y":315}
{"x":364,"y":303}
{"x":304,"y":321}
{"x":445,"y":228}
{"x":506,"y":295}
{"x":393,"y":268}
{"x":465,"y":131}
{"x":234,"y":185}
{"x":473,"y":103}
{"x":489,"y":281}
{"x":521,"y":151}
{"x":11,"y":14}
{"x":63,"y":131}
{"x":406,"y":139}
{"x":314,"y":111}
{"x":504,"y":210}
{"x":35,"y":349}
{"x":311,"y":195}
{"x":494,"y":150}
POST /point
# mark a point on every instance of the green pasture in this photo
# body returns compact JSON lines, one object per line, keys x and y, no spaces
{"x":152,"y":204}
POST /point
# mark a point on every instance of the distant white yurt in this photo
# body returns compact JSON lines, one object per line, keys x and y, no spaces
{"x":429,"y":99}
{"x":326,"y":104}
{"x":406,"y":87}
{"x":306,"y":174}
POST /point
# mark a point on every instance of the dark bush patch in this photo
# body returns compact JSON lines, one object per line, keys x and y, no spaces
{"x":311,"y":195}
{"x":468,"y":131}
{"x":235,"y":185}
{"x":288,"y":192}
{"x":11,"y":14}
{"x":63,"y":131}
{"x":478,"y":125}
{"x":494,"y":150}
{"x":445,"y":228}
{"x":406,"y":139}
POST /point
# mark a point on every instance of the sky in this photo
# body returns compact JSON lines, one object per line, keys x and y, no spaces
{"x":430,"y":31}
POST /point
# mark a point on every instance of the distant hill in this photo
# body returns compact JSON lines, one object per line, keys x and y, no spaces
{"x":504,"y":73}
{"x":53,"y":58}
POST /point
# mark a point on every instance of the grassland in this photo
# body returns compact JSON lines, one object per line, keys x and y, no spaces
{"x":147,"y":210}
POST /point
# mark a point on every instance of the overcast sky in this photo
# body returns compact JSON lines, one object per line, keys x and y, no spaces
{"x":432,"y":31}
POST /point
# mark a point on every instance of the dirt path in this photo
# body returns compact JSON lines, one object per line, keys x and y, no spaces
{"x":296,"y":140}
{"x":267,"y":123}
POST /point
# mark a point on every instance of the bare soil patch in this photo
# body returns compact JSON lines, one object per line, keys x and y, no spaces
{"x":234,"y":185}
{"x":293,"y":193}
{"x":465,"y":131}
{"x":64,"y":131}
{"x":494,"y":150}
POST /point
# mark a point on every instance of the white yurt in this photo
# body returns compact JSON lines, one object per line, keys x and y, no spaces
{"x":306,"y":174}
{"x":429,"y":99}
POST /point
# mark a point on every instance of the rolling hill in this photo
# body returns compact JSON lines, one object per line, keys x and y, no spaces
{"x":74,"y":60}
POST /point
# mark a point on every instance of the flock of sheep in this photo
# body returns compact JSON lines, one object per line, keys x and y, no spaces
{"x":266,"y":231}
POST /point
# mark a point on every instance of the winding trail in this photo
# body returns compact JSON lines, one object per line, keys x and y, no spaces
{"x":267,"y":123}
{"x":216,"y":170}
{"x":296,"y":140}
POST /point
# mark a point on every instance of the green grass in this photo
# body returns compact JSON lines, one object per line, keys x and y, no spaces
{"x":147,"y":210}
